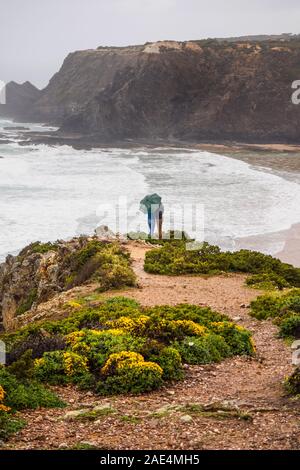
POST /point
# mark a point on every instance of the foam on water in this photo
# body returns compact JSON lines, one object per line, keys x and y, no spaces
{"x":55,"y":192}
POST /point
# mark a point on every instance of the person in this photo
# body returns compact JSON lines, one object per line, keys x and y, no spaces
{"x":153,"y":207}
{"x":155,"y":216}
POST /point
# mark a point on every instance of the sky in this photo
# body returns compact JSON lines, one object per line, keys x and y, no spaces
{"x":36,"y":35}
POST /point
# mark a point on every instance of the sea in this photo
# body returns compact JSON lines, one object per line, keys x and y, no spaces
{"x":56,"y":192}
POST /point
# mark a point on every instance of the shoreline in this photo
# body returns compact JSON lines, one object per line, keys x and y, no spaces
{"x":289,"y":239}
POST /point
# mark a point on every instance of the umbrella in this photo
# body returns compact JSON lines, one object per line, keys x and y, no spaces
{"x":148,"y":201}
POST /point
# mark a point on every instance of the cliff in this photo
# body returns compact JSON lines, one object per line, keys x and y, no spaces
{"x":212,"y":90}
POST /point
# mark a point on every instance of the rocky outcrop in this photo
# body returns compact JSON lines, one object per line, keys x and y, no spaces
{"x":20,"y":100}
{"x":32,"y":277}
{"x":195,"y":91}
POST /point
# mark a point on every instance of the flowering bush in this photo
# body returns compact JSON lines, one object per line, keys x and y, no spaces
{"x":119,"y":346}
{"x":60,"y":367}
{"x":2,"y":395}
{"x":128,"y":372}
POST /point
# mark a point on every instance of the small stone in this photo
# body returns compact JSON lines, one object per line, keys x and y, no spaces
{"x":88,"y":443}
{"x":63,"y":445}
{"x":104,"y":407}
{"x":186,"y":419}
{"x":295,"y":346}
{"x":237,"y":318}
{"x":73,"y":414}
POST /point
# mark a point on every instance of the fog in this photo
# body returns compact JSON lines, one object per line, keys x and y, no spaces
{"x":36,"y":36}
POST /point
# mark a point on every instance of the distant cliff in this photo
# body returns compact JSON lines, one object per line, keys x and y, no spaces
{"x":211,"y":90}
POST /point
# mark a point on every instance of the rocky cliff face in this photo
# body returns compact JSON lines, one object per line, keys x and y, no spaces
{"x":42,"y":270}
{"x":192,"y":91}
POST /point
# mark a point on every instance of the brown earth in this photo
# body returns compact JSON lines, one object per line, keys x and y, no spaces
{"x":261,"y":416}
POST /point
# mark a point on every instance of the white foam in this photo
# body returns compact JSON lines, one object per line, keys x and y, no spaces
{"x":54,"y":192}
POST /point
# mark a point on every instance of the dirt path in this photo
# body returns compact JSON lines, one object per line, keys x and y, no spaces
{"x":252,"y":386}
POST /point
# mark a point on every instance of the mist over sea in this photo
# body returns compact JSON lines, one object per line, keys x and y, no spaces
{"x":55,"y":192}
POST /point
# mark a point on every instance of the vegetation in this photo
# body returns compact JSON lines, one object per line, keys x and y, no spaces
{"x":292,"y":383}
{"x":176,"y":259}
{"x":21,"y":393}
{"x":121,"y":347}
{"x":105,"y":263}
{"x":27,"y":304}
{"x":284,"y":308}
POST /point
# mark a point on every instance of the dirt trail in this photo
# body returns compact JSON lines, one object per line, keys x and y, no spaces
{"x":253,"y":386}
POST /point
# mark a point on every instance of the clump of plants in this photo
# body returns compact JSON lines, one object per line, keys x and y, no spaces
{"x":292,"y":383}
{"x":121,"y":347}
{"x":20,"y":390}
{"x":105,"y":263}
{"x":176,"y":259}
{"x":284,"y":308}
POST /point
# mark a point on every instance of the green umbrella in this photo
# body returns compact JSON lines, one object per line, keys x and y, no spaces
{"x":148,"y":201}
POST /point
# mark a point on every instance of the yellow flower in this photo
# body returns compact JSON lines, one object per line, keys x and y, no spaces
{"x":2,"y":395}
{"x":74,"y":337}
{"x":190,"y":328}
{"x":73,"y":304}
{"x":117,"y":360}
{"x":74,"y":364}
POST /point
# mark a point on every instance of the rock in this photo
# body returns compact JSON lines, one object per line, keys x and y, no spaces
{"x":36,"y":275}
{"x":104,"y":407}
{"x":104,"y":233}
{"x":71,"y":415}
{"x":237,"y":318}
{"x":89,"y":443}
{"x":63,"y":445}
{"x":296,"y":345}
{"x":186,"y":418}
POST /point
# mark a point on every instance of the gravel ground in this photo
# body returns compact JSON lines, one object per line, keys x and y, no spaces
{"x":260,"y":416}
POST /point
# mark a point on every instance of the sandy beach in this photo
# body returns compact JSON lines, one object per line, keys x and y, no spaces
{"x":288,"y":239}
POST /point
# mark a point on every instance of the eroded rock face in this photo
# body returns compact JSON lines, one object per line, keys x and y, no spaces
{"x":34,"y":276}
{"x":211,"y":90}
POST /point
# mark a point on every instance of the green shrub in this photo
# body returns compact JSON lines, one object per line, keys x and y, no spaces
{"x":106,"y":263}
{"x":202,"y":315}
{"x":23,"y":368}
{"x":204,"y":350}
{"x":26,"y":394}
{"x":38,"y":247}
{"x":170,"y":361}
{"x":266,"y":306}
{"x":292,"y":383}
{"x":237,"y":338}
{"x":176,"y":259}
{"x":9,"y":425}
{"x":267,"y":281}
{"x":290,"y":326}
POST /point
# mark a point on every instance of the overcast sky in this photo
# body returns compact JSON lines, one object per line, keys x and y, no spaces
{"x":36,"y":35}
